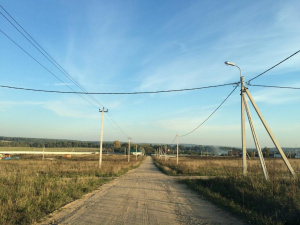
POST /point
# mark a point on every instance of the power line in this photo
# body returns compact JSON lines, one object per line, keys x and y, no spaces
{"x":117,"y":125}
{"x":115,"y":93}
{"x":45,"y":53}
{"x":36,"y":45}
{"x":43,"y":67}
{"x":272,"y":86}
{"x":211,"y":113}
{"x":248,"y":82}
{"x":174,"y":139}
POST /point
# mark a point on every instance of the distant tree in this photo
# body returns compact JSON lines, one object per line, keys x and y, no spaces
{"x":266,"y":152}
{"x":116,"y":145}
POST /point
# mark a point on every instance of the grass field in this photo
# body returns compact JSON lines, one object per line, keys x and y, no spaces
{"x":9,"y":149}
{"x":31,"y":188}
{"x":276,"y":201}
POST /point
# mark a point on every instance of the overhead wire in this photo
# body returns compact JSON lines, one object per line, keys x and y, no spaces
{"x":248,"y":82}
{"x":174,"y":139}
{"x":272,"y":86}
{"x":117,"y":125}
{"x":37,"y":46}
{"x":211,"y":113}
{"x":115,"y":93}
{"x":49,"y":71}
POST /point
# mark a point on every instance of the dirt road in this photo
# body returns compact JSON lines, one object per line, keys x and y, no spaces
{"x":143,"y":196}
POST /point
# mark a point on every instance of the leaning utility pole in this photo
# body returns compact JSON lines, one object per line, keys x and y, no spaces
{"x":286,"y":161}
{"x":101,"y":136}
{"x":129,"y":149}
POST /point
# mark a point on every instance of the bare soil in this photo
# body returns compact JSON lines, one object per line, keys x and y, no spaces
{"x":142,"y":196}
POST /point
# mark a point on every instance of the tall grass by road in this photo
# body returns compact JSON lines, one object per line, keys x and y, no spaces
{"x":31,"y":188}
{"x":276,"y":201}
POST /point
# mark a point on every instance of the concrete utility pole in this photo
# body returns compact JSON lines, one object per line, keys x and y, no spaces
{"x":135,"y":152}
{"x":244,"y":161}
{"x":177,"y":149}
{"x":165,"y":153}
{"x":287,"y":163}
{"x":101,"y":136}
{"x":43,"y":152}
{"x":260,"y":154}
{"x":129,"y":149}
{"x":244,"y":151}
{"x":245,"y":92}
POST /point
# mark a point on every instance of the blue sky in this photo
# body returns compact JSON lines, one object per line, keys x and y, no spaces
{"x":124,"y":46}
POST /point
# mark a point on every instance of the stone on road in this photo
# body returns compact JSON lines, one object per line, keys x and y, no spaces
{"x":142,"y":196}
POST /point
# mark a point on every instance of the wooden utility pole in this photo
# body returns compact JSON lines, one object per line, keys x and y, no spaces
{"x":101,"y":136}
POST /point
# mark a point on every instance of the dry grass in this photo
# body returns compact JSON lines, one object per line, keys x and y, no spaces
{"x":31,"y":188}
{"x":221,"y":166}
{"x":276,"y":201}
{"x":8,"y":149}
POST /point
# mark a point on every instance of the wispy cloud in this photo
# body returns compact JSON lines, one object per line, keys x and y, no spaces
{"x":5,"y":105}
{"x":71,"y":107}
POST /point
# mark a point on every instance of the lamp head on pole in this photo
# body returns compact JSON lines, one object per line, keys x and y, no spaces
{"x":232,"y":64}
{"x":229,"y":63}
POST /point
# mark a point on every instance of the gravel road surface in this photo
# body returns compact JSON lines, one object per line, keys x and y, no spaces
{"x":142,"y":196}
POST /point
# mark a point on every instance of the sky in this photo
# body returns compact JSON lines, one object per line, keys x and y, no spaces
{"x":130,"y":46}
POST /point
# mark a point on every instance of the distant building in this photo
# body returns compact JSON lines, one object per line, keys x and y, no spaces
{"x":134,"y":152}
{"x":233,"y":153}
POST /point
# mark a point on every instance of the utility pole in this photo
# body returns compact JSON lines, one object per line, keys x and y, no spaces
{"x":244,"y":160}
{"x":129,"y":149}
{"x":101,"y":136}
{"x":244,"y":151}
{"x":244,"y":93}
{"x":43,"y":152}
{"x":135,"y":152}
{"x":177,"y":149}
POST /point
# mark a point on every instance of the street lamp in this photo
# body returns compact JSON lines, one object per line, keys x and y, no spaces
{"x":242,"y":118}
{"x":232,"y":64}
